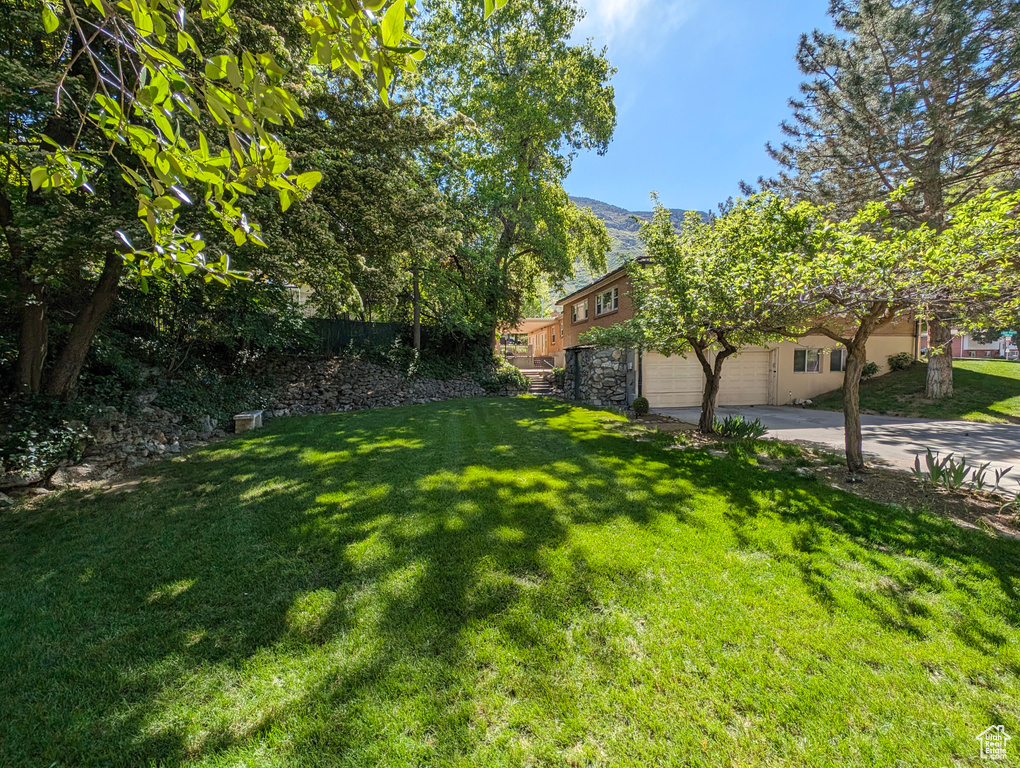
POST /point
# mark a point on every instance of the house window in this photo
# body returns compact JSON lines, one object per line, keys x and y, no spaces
{"x":579,"y":312}
{"x":807,"y":361}
{"x":554,"y":334}
{"x":607,"y":301}
{"x":837,"y":360}
{"x":973,"y":354}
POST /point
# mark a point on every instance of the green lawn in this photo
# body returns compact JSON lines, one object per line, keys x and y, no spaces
{"x":984,"y":391}
{"x":497,"y":582}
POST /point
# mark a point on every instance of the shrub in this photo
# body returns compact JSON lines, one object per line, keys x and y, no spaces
{"x":39,"y":434}
{"x":503,"y":376}
{"x":559,"y":377}
{"x":870,"y":369}
{"x":201,"y":390}
{"x":640,"y":406}
{"x":900,"y":361}
{"x":740,"y":428}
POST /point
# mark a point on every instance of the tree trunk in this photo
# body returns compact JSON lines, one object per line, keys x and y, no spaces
{"x":939,"y":384}
{"x":416,"y":301}
{"x":34,"y":335}
{"x":34,"y":339}
{"x":853,"y":440}
{"x":713,"y":378}
{"x":64,"y":376}
{"x":706,"y":424}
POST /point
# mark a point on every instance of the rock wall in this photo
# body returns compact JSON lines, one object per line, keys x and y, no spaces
{"x":327,"y":386}
{"x":597,"y":376}
{"x":120,"y":441}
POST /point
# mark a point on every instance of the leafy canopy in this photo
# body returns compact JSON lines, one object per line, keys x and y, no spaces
{"x":158,"y":66}
{"x":534,"y":99}
{"x":713,"y":283}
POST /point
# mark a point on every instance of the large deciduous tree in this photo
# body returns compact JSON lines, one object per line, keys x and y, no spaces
{"x":534,"y":99}
{"x":920,"y":89}
{"x":709,"y":287}
{"x":868,"y":272}
{"x":119,"y":114}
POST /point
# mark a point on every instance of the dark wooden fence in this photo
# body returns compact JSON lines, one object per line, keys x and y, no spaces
{"x":337,"y":335}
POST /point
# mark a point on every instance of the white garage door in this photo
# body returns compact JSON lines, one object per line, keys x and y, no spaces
{"x":677,"y":382}
{"x":745,"y":379}
{"x":671,"y":382}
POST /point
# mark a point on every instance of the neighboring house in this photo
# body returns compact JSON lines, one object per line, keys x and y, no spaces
{"x":967,"y":346}
{"x":301,"y":295}
{"x":964,"y":345}
{"x":547,"y":339}
{"x":534,"y":329}
{"x":774,"y":374}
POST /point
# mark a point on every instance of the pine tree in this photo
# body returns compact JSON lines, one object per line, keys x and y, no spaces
{"x":921,"y":90}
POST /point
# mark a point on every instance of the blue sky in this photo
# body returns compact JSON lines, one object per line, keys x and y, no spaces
{"x":701,"y":86}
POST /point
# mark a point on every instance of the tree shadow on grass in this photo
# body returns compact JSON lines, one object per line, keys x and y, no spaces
{"x":907,"y":554}
{"x":360,"y":581}
{"x":359,"y":547}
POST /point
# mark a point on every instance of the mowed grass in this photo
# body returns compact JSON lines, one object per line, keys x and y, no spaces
{"x":984,"y":390}
{"x":495,"y":583}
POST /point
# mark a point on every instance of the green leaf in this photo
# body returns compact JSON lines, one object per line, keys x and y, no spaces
{"x":393,"y":25}
{"x":216,"y":67}
{"x":308,"y":180}
{"x":39,"y":177}
{"x":49,"y":19}
{"x":491,"y":6}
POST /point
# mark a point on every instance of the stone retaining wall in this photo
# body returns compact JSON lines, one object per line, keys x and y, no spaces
{"x":120,"y":441}
{"x":327,"y":386}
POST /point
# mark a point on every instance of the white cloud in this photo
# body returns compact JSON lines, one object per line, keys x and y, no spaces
{"x":634,"y":25}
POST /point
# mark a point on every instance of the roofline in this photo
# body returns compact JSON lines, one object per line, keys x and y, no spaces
{"x":592,"y":284}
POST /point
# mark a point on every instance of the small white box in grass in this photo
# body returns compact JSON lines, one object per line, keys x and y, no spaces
{"x":247,"y":420}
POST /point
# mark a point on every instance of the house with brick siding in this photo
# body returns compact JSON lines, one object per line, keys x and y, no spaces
{"x":774,"y":374}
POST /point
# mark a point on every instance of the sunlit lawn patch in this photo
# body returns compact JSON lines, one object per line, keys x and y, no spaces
{"x":495,"y":582}
{"x":984,"y":390}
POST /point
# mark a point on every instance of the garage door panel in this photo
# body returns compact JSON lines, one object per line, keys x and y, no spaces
{"x":678,"y":381}
{"x":745,"y":379}
{"x":671,"y":382}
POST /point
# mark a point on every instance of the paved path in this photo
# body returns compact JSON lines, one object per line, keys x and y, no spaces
{"x":888,"y":440}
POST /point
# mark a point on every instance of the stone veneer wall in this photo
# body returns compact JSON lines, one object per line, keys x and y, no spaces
{"x":597,"y":376}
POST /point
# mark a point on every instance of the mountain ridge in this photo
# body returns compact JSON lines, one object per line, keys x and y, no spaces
{"x":623,"y":226}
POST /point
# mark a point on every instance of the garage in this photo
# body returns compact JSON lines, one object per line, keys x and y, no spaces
{"x":678,"y":382}
{"x":671,"y":382}
{"x":745,"y":378}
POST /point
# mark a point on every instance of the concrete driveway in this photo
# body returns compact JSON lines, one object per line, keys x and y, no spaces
{"x":889,"y":441}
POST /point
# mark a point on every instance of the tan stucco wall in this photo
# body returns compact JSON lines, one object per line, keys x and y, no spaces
{"x":802,"y":386}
